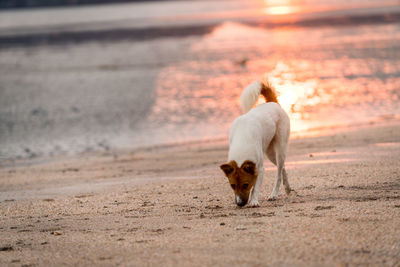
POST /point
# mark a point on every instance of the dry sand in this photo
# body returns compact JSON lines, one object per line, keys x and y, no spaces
{"x":171,"y":206}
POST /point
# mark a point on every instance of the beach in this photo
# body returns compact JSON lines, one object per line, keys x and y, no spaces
{"x":172,"y":205}
{"x":114,"y":120}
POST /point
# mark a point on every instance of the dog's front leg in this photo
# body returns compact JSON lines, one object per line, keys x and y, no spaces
{"x":256,"y":189}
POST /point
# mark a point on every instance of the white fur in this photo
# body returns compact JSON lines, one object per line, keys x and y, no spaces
{"x":250,"y":96}
{"x":263,"y":130}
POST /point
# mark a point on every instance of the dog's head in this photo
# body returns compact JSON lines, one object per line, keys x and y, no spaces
{"x":241,"y":179}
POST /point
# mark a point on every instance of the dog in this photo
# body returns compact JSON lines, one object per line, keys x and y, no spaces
{"x":264,"y":129}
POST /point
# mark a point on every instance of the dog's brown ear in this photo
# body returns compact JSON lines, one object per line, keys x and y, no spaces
{"x":249,"y":167}
{"x":227,"y":168}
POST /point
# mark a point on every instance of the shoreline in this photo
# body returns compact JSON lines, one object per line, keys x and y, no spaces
{"x":321,"y":131}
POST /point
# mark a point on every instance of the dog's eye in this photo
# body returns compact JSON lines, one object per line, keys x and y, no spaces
{"x":245,"y":186}
{"x":233,"y":186}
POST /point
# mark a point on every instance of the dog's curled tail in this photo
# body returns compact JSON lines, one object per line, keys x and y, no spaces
{"x":253,"y":91}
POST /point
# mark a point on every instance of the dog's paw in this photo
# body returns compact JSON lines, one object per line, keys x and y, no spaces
{"x":254,"y":204}
{"x":272,"y":198}
{"x":292,"y":192}
{"x":289,"y":191}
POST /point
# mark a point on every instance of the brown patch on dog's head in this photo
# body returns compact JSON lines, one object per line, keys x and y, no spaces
{"x":241,"y":179}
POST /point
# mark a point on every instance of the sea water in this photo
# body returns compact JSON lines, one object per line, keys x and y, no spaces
{"x":176,"y":75}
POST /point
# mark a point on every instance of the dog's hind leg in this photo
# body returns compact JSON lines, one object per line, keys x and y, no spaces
{"x":276,"y":153}
{"x":286,"y":182}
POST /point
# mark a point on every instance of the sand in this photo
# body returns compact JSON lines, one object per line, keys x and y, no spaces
{"x":171,"y":206}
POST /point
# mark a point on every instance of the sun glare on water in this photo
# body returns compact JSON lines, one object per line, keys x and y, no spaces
{"x":295,"y":94}
{"x":280,"y":7}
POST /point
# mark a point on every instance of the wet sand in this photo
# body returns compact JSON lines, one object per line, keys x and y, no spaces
{"x":171,"y":205}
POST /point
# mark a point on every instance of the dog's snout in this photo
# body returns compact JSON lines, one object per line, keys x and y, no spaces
{"x":240,"y":202}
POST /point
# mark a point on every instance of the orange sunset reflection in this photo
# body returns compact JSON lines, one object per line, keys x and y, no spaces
{"x":294,"y":95}
{"x":318,"y":89}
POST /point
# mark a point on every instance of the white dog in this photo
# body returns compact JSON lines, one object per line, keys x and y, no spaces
{"x":263,"y":129}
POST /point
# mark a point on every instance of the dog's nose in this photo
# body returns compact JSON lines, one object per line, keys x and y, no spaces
{"x":240,"y":202}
